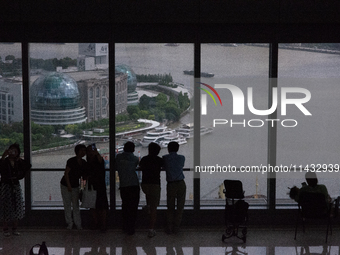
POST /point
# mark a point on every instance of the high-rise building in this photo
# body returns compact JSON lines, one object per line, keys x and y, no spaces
{"x":10,"y":101}
{"x":93,"y":56}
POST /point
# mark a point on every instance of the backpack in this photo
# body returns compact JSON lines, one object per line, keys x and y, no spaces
{"x":42,"y":250}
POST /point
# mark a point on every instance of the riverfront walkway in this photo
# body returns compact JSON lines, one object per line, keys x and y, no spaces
{"x":153,"y":123}
{"x":157,"y":87}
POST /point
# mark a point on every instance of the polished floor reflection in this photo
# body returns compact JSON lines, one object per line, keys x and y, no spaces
{"x":190,"y":241}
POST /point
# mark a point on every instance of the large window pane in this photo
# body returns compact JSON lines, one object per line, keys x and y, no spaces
{"x":11,"y":98}
{"x":238,"y":139}
{"x":11,"y":111}
{"x":69,"y":93}
{"x":46,"y":193}
{"x":158,"y":92}
{"x":314,"y":140}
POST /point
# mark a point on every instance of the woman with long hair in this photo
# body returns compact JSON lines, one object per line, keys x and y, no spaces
{"x":96,"y":178}
{"x":12,"y":169}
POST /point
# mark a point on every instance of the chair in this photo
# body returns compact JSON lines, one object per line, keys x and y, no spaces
{"x":313,"y":206}
{"x":306,"y":250}
{"x":236,"y":214}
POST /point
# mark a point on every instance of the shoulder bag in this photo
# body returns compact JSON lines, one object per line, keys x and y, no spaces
{"x":89,"y":197}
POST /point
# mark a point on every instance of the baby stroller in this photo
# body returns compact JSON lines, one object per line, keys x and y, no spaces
{"x":236,"y":213}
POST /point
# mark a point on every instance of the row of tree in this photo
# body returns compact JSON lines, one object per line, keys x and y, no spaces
{"x":159,"y":107}
{"x":164,"y":78}
{"x":43,"y":136}
{"x":14,"y":66}
{"x":11,"y":68}
{"x":52,"y":64}
{"x":161,"y":79}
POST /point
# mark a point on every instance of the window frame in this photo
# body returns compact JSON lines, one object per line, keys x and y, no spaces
{"x":272,"y":135}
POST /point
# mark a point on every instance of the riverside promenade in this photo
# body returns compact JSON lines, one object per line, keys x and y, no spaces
{"x":153,"y":123}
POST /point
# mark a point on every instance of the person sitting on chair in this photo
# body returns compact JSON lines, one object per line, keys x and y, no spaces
{"x":312,"y":187}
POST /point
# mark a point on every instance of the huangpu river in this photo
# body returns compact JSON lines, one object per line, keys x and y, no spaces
{"x":314,"y":140}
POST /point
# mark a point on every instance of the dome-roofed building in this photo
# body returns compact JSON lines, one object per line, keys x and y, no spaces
{"x":55,"y":100}
{"x":132,"y":78}
{"x":132,"y":97}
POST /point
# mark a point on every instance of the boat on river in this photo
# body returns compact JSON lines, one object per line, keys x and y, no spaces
{"x":156,"y":136}
{"x":174,"y":137}
{"x":203,"y":74}
{"x":187,"y":130}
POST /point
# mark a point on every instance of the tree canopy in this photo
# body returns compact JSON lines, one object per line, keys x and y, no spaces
{"x":159,"y":107}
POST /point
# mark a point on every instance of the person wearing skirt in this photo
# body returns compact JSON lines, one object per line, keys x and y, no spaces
{"x":12,"y":169}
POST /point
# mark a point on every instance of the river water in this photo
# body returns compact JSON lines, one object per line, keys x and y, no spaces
{"x":314,"y":140}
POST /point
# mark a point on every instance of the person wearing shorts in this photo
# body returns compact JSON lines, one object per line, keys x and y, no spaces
{"x":151,"y":166}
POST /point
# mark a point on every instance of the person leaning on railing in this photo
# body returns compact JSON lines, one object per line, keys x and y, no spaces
{"x":175,"y":188}
{"x":126,"y":164}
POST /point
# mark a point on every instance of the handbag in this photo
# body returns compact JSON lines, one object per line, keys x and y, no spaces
{"x":89,"y":197}
{"x":42,"y":250}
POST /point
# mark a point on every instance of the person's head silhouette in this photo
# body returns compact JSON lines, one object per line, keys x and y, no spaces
{"x":129,"y":147}
{"x":154,"y":149}
{"x":311,"y":179}
{"x":173,"y":147}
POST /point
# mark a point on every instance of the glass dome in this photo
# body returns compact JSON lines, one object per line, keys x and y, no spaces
{"x":132,"y":78}
{"x":55,"y":91}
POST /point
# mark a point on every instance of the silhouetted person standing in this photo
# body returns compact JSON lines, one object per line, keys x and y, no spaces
{"x":96,"y":178}
{"x":12,"y":169}
{"x":69,"y":186}
{"x":151,"y":166}
{"x":126,"y":164}
{"x":176,"y":188}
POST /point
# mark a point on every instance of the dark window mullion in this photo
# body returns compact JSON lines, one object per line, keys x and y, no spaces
{"x":112,"y":118}
{"x":272,"y":131}
{"x":26,"y":120}
{"x":197,"y":125}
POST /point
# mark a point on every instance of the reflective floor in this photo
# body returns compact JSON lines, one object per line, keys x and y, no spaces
{"x":189,"y":241}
